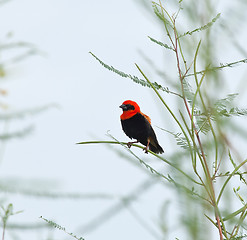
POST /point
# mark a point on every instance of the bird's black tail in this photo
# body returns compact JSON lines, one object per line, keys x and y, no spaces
{"x":156,"y":149}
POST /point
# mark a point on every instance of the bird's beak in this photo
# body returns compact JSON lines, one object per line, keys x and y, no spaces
{"x":123,"y":106}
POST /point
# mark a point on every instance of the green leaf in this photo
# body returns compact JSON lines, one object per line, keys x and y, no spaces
{"x":161,"y":43}
{"x":180,"y":139}
{"x":212,"y":69}
{"x":135,"y":79}
{"x":160,"y":15}
{"x":204,"y":27}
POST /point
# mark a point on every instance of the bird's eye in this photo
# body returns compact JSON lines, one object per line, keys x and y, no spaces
{"x":130,"y":107}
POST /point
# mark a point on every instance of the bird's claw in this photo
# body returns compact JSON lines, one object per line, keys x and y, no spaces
{"x":129,"y":144}
{"x":145,"y":150}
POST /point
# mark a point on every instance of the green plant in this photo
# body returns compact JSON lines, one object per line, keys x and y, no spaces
{"x":55,"y":225}
{"x":205,"y":122}
{"x":5,"y":213}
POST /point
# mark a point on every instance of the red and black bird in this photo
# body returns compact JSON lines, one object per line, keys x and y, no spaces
{"x":137,"y":125}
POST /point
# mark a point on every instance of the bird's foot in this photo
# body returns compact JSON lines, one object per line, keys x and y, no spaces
{"x":129,"y":144}
{"x":145,"y":150}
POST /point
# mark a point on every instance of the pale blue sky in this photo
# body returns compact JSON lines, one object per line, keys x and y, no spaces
{"x":88,"y":97}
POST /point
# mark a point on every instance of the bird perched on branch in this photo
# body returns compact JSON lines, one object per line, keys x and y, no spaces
{"x":137,"y":125}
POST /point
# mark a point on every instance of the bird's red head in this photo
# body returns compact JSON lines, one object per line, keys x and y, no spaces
{"x":130,"y":108}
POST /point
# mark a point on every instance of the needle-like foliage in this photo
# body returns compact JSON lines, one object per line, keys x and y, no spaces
{"x":203,"y":119}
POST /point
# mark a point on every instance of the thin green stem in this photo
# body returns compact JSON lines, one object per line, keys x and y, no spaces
{"x":162,"y":100}
{"x":207,"y":172}
{"x":228,"y":179}
{"x":163,"y":10}
{"x":4,"y":227}
{"x":138,"y":146}
{"x":215,"y":224}
{"x":204,"y":162}
{"x":198,"y":84}
{"x":237,"y":226}
{"x":196,"y":150}
{"x":232,"y":64}
{"x":192,"y":149}
{"x":230,"y":216}
{"x":175,"y":31}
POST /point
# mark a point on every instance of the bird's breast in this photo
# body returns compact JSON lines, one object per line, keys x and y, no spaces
{"x":136,"y":127}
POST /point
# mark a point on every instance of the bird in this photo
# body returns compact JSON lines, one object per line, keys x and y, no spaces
{"x":137,"y":125}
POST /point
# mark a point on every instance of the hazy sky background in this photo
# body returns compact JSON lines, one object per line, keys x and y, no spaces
{"x":87,"y":97}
